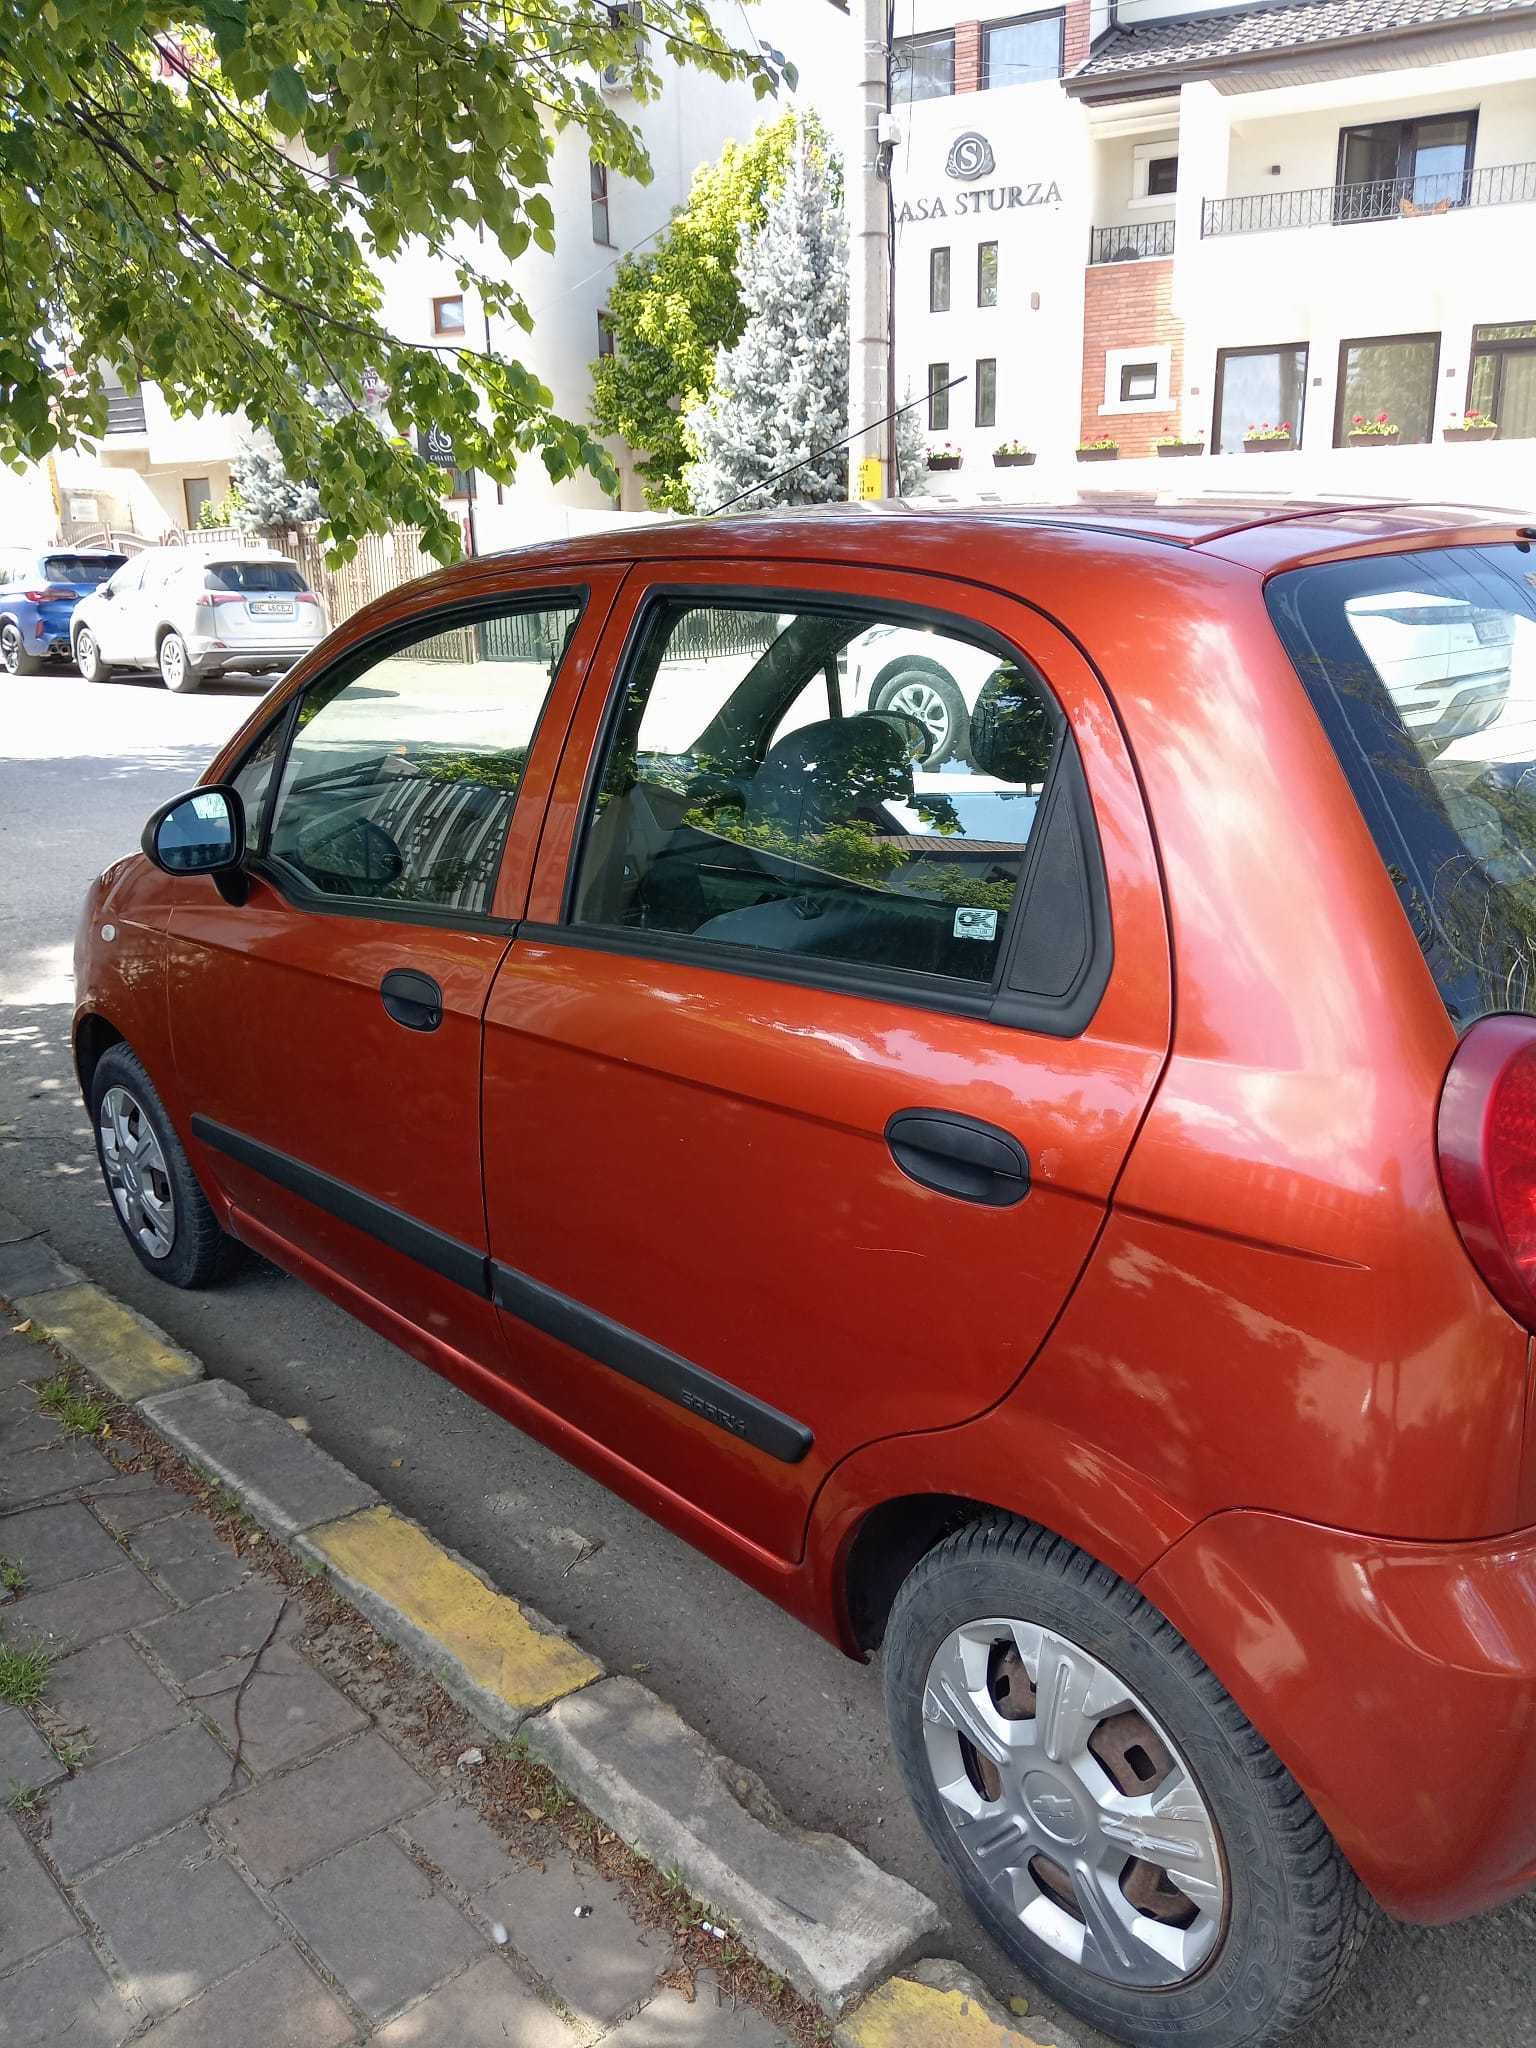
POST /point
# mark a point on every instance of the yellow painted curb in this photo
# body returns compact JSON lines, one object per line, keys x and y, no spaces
{"x":901,"y":2013}
{"x":377,"y":1553}
{"x":130,"y":1357}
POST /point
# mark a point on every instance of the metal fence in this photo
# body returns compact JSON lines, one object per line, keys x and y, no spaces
{"x":1374,"y":199}
{"x":1126,"y":245}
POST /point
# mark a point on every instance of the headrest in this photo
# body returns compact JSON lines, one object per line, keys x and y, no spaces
{"x":836,"y":769}
{"x":1013,"y":728}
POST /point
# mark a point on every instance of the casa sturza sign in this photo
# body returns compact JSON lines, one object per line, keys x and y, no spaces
{"x":970,"y":159}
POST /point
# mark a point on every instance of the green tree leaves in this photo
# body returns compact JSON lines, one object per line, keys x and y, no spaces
{"x":196,"y":192}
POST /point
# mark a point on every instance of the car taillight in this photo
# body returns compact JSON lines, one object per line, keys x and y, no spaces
{"x":49,"y":596}
{"x":223,"y":597}
{"x":1487,"y":1146}
{"x":306,"y":597}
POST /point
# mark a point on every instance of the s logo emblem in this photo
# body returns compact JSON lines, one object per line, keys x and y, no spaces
{"x":970,"y":157}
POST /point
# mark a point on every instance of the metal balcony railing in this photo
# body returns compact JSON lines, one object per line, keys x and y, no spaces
{"x":1375,"y":199}
{"x":1126,"y":245}
{"x":125,"y":412}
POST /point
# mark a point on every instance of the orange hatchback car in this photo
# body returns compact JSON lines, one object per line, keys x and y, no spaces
{"x":1060,"y":1206}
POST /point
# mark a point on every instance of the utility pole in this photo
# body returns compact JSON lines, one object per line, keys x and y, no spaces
{"x":871,"y":379}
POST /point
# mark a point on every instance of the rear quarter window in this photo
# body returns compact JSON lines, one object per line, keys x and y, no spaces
{"x":1422,"y":668}
{"x":254,"y":576}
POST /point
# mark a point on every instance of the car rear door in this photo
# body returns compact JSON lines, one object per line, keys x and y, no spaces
{"x":327,"y":1027}
{"x":787,"y":1150}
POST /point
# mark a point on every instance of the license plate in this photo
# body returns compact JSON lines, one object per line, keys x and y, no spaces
{"x":272,"y":607}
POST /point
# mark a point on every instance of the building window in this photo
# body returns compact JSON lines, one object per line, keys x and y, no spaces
{"x":1154,"y":172}
{"x":604,"y":335}
{"x":922,"y":68}
{"x":1396,"y":167}
{"x":1502,"y":380}
{"x":986,"y":274}
{"x":1258,"y":387}
{"x":1394,"y":375}
{"x":1162,"y":177}
{"x":986,"y":391}
{"x":197,"y":491}
{"x":448,"y":315}
{"x":600,"y":204}
{"x":1021,"y":52}
{"x":938,"y":280}
{"x":938,"y":397}
{"x":1137,"y":379}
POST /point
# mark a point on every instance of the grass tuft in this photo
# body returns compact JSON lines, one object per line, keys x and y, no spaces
{"x":23,"y":1798}
{"x":77,"y":1413}
{"x":23,"y":1675}
{"x":13,"y":1580}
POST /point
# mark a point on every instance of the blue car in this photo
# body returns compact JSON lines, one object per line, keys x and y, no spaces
{"x":38,"y":594}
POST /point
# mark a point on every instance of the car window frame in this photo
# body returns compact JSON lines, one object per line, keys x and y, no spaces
{"x":354,"y":661}
{"x":1064,"y":805}
{"x":133,"y":570}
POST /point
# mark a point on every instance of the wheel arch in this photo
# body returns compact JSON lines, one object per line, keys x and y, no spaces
{"x":94,"y":1035}
{"x":885,"y":1547}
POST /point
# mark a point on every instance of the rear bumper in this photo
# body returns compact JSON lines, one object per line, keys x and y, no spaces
{"x":214,"y":656}
{"x":1396,"y":1680}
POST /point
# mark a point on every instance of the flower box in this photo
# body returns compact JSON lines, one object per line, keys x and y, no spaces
{"x":1468,"y":433}
{"x":1097,"y":454}
{"x":944,"y":461}
{"x":1016,"y":461}
{"x":1181,"y":448}
{"x":1373,"y":440}
{"x":1268,"y":444}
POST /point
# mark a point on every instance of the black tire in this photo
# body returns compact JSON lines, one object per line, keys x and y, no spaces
{"x":88,"y":657}
{"x":1295,"y":1916}
{"x":198,"y":1251}
{"x":14,"y":657}
{"x":929,"y":683}
{"x":178,"y":671}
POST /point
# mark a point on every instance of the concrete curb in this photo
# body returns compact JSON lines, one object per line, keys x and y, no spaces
{"x":810,"y":1906}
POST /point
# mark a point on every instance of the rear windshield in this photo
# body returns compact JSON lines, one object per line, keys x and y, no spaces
{"x":1423,"y":669}
{"x":254,"y":576}
{"x":81,"y":568}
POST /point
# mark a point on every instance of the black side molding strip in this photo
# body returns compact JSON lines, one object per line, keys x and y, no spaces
{"x":650,"y":1365}
{"x":609,"y":1343}
{"x":431,"y":1248}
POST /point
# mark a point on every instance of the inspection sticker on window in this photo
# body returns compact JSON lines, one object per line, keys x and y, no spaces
{"x":975,"y":924}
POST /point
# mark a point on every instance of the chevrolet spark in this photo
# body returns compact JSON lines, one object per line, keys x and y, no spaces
{"x":1061,"y":1211}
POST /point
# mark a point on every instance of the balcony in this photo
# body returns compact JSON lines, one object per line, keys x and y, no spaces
{"x":1130,"y":244}
{"x":1412,"y":198}
{"x":125,"y":412}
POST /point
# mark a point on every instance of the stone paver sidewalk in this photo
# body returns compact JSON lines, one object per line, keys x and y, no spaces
{"x":209,"y":1844}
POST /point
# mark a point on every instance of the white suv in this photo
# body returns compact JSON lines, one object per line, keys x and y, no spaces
{"x":930,"y":676}
{"x":197,"y":612}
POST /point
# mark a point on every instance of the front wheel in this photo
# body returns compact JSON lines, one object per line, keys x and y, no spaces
{"x":13,"y":652}
{"x":934,"y":701}
{"x":1116,"y":1822}
{"x":178,"y":671}
{"x":88,"y":657}
{"x":164,"y":1214}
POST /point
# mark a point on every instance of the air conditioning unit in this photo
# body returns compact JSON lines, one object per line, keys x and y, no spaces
{"x":616,"y":78}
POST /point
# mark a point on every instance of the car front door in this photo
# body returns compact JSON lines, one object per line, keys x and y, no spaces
{"x":809,"y":1076}
{"x":115,"y":613}
{"x":327,"y":1028}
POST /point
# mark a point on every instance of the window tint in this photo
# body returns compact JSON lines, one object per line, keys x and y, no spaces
{"x":252,"y":576}
{"x":399,"y":784}
{"x":253,"y":779}
{"x":87,"y":569}
{"x":820,"y":785}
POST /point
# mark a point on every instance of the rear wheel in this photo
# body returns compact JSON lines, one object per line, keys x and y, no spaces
{"x":1118,"y":1825}
{"x":930,"y":697}
{"x":88,"y":657}
{"x":164,"y":1214}
{"x":178,"y":671}
{"x":13,"y":652}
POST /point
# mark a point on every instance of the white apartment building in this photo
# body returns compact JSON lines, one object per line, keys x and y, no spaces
{"x":1149,"y":220}
{"x":152,"y":472}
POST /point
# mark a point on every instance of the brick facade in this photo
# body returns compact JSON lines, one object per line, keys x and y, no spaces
{"x":1079,"y":13}
{"x":1129,"y":305}
{"x":968,"y":56}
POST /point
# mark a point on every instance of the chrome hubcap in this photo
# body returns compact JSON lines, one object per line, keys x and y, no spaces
{"x":1072,"y":1806}
{"x":136,"y":1173}
{"x":172,"y":661}
{"x":10,"y":648}
{"x":85,"y":654}
{"x":922,"y":701}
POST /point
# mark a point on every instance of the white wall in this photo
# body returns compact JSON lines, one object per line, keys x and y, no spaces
{"x":1306,"y":144}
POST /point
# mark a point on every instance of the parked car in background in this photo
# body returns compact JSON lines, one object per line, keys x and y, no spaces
{"x":934,"y":680}
{"x":1064,"y":1218}
{"x":196,"y":612}
{"x":39,"y":591}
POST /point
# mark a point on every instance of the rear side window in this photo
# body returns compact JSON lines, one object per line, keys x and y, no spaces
{"x":403,"y":768}
{"x":1422,"y":667}
{"x":91,"y":569}
{"x":253,"y":576}
{"x":816,"y":786}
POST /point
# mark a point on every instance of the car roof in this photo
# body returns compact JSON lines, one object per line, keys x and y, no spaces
{"x":1263,"y":533}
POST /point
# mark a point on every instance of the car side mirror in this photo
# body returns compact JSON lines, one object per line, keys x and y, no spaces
{"x":201,"y":833}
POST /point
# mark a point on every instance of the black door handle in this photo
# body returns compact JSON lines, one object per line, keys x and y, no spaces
{"x":412,"y":999}
{"x":958,"y":1156}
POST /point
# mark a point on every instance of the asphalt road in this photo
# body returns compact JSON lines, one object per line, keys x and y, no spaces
{"x":80,"y":769}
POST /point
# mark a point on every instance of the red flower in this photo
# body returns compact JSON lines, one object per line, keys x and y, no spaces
{"x":1285,"y":426}
{"x":1358,"y":420}
{"x":1381,"y":419}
